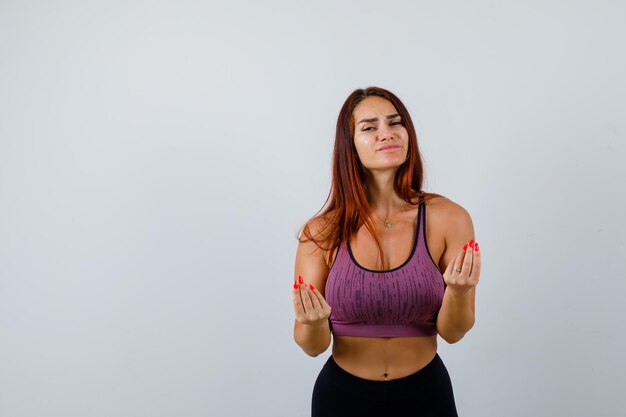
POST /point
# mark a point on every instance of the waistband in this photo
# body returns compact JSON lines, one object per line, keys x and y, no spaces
{"x":424,"y":380}
{"x":382,"y":330}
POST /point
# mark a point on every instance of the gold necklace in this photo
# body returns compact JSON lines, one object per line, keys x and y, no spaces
{"x":387,"y":222}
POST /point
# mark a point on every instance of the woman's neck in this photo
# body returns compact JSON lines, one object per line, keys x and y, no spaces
{"x":384,"y":201}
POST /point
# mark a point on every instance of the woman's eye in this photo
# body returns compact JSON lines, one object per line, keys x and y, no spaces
{"x":365,"y":129}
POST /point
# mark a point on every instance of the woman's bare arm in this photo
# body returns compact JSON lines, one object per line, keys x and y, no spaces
{"x":457,"y":314}
{"x":311,"y":328}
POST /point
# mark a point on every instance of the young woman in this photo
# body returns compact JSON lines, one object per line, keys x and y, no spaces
{"x":368,"y":271}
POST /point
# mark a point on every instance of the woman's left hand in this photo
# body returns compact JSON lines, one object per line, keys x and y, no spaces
{"x":468,"y":261}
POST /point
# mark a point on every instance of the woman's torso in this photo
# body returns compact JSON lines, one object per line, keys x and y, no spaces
{"x":387,"y":358}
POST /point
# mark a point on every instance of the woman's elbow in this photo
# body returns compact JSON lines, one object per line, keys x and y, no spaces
{"x":311,"y":350}
{"x":314,"y":351}
{"x":451,"y":338}
{"x":454,"y":336}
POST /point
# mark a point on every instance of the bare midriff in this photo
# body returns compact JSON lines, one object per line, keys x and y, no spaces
{"x":383,"y":358}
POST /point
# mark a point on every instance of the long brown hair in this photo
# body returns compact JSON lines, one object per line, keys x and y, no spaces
{"x":346,"y":207}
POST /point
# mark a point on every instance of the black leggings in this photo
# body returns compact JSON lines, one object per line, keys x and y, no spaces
{"x":427,"y":392}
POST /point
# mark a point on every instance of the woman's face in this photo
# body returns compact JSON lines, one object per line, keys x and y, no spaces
{"x":380,"y":138}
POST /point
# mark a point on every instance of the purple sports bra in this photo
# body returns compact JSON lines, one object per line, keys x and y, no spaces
{"x":399,"y":302}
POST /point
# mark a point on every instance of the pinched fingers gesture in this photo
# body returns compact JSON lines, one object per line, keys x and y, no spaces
{"x":309,"y":305}
{"x":463,"y":272}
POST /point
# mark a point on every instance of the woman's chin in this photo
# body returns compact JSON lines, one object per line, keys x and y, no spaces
{"x":385,"y":167}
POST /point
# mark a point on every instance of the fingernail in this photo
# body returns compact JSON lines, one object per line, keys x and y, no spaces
{"x":465,"y":247}
{"x":471,"y":243}
{"x":476,"y":247}
{"x":311,"y":287}
{"x":295,"y":286}
{"x":300,"y":280}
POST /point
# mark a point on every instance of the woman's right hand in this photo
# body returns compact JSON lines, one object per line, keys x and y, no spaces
{"x":309,"y":304}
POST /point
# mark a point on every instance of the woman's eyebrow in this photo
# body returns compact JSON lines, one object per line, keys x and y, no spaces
{"x":373,"y":119}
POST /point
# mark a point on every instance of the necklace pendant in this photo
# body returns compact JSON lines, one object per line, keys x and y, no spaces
{"x":387,"y":224}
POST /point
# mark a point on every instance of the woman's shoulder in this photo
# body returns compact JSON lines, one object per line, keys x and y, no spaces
{"x":320,"y":226}
{"x":316,"y":235}
{"x":446,"y":211}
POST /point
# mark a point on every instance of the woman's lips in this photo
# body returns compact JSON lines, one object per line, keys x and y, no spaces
{"x":389,"y":148}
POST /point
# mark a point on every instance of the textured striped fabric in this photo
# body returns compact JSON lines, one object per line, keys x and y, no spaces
{"x":400,"y":302}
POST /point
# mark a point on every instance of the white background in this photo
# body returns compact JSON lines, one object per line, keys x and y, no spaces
{"x":158,"y":158}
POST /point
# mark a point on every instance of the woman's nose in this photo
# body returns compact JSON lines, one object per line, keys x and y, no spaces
{"x":384,"y":132}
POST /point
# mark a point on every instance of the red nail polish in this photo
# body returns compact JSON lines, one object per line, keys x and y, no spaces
{"x":300,"y":280}
{"x":471,"y":243}
{"x":476,"y":246}
{"x":295,"y":286}
{"x":465,"y":247}
{"x":311,"y":287}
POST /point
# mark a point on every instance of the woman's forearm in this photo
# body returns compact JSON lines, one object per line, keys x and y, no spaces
{"x":456,"y":315}
{"x":312,"y":338}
